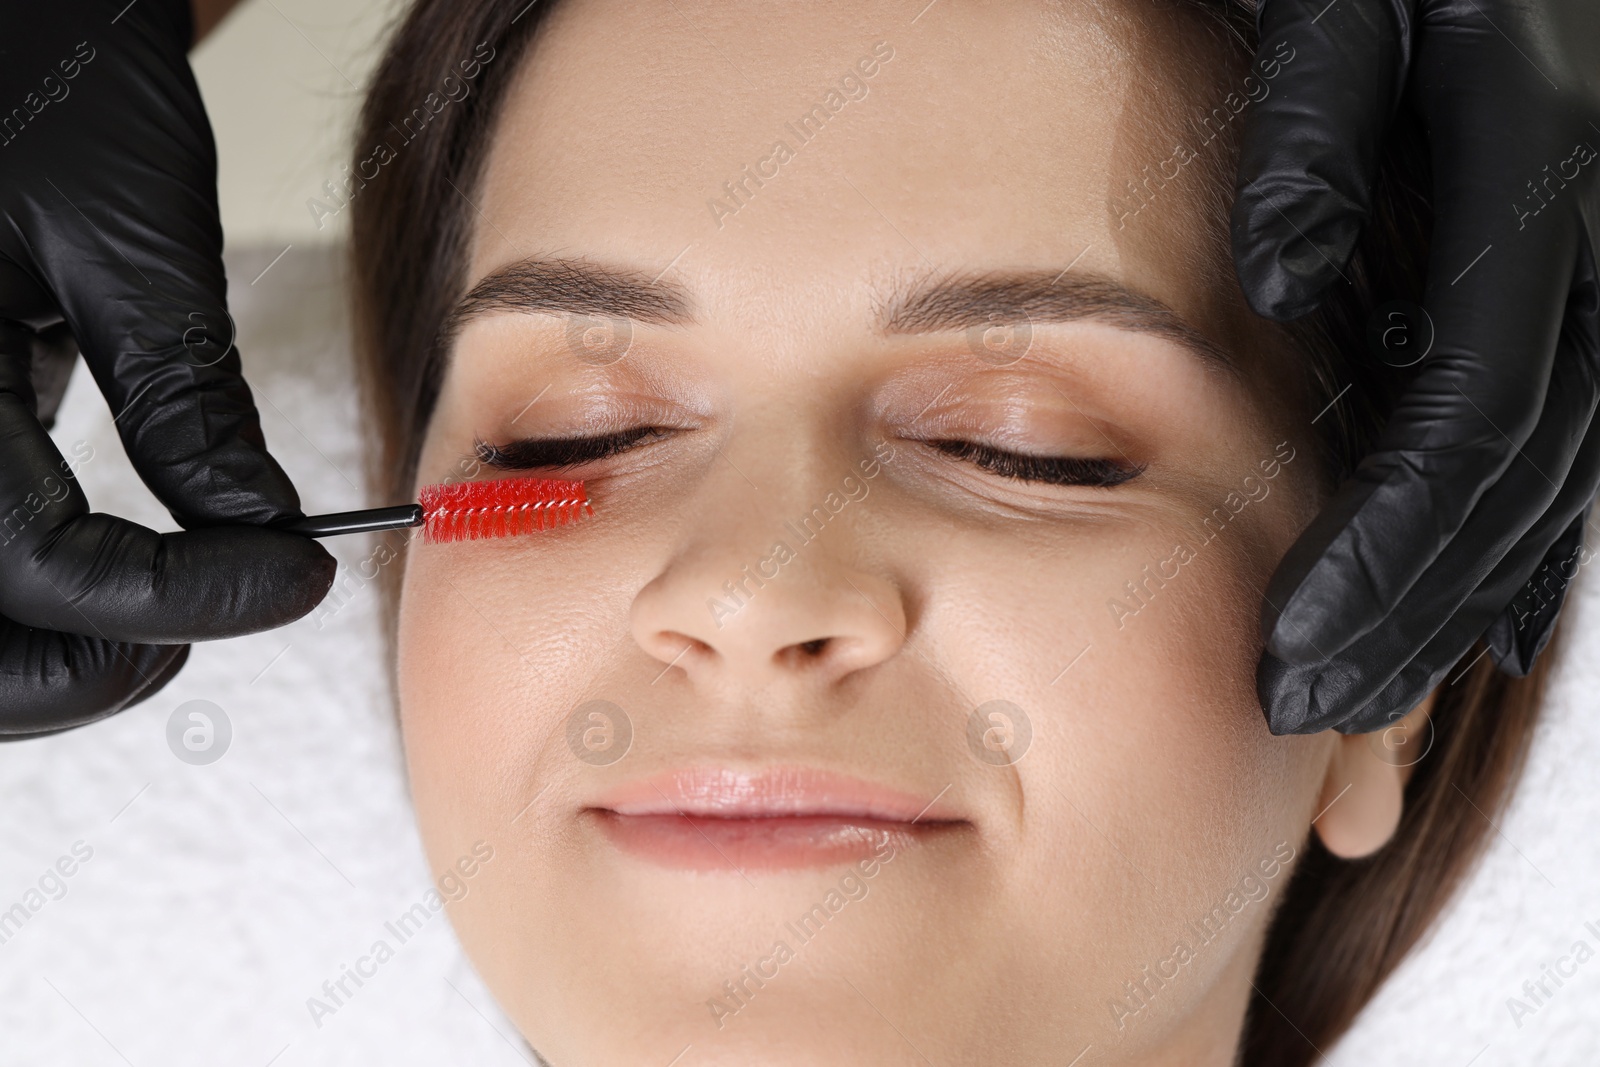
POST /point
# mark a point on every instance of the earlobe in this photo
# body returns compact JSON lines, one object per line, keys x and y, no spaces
{"x":1363,"y":791}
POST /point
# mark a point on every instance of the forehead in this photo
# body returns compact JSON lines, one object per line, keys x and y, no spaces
{"x":774,"y":154}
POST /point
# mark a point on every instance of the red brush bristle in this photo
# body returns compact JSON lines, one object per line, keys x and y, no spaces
{"x":505,"y":507}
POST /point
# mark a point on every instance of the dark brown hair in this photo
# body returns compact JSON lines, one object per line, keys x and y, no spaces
{"x":1341,"y":927}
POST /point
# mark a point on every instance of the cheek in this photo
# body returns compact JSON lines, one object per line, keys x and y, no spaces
{"x":1152,"y":787}
{"x":497,"y":641}
{"x":481,"y":642}
{"x":454,"y":690}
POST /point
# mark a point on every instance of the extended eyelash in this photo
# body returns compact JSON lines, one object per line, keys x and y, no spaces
{"x":1054,"y":470}
{"x":555,"y":452}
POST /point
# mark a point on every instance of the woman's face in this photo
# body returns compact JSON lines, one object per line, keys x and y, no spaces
{"x":922,"y":585}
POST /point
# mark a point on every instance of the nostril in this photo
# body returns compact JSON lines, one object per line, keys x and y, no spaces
{"x":805,"y":653}
{"x":670,"y":646}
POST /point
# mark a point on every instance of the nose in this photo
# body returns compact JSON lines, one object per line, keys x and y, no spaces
{"x":724,"y":613}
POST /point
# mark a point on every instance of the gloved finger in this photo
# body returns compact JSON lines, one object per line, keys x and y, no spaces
{"x":1499,"y":320}
{"x":1365,"y":686}
{"x":1310,"y":149}
{"x":50,"y":682}
{"x":55,"y":353}
{"x":65,"y":568}
{"x":136,"y":268}
{"x":1522,"y":630}
{"x":1434,"y":663}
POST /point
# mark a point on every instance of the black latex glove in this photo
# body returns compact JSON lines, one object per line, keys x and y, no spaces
{"x":109,"y":230}
{"x":1485,"y":472}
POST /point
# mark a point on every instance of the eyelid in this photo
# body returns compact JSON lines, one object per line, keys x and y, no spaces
{"x":1092,"y":472}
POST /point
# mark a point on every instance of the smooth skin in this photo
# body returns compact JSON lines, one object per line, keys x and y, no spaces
{"x":991,"y":141}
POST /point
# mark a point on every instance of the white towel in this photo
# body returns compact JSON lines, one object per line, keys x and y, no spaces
{"x":219,"y":898}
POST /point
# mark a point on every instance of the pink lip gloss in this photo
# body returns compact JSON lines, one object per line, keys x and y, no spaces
{"x":784,"y":818}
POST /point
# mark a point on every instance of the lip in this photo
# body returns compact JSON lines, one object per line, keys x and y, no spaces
{"x":775,"y":818}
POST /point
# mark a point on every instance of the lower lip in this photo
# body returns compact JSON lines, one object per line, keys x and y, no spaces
{"x":771,"y":843}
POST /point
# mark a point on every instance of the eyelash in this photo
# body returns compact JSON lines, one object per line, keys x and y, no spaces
{"x":559,"y":452}
{"x":1053,"y":470}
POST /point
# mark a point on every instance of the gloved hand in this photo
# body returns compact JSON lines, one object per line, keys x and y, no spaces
{"x":1483,"y":477}
{"x":109,"y":230}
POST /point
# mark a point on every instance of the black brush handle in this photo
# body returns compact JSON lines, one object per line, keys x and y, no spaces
{"x":344,"y":522}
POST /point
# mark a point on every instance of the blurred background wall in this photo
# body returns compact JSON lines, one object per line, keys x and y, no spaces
{"x":282,"y":80}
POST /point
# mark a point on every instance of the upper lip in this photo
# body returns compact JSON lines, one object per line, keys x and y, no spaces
{"x":773,"y":792}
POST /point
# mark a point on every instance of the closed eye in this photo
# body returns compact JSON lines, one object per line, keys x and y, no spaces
{"x":556,"y":452}
{"x":1052,"y":470}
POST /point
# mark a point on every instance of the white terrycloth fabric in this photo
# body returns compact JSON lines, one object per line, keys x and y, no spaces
{"x":219,"y":898}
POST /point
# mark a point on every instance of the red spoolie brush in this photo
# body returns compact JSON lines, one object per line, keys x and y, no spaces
{"x":465,"y":511}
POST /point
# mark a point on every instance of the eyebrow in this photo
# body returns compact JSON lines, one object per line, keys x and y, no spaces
{"x":928,"y":304}
{"x":965,"y":301}
{"x":571,"y":287}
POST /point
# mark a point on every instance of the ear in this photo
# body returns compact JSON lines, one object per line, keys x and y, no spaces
{"x":1363,"y":791}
